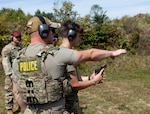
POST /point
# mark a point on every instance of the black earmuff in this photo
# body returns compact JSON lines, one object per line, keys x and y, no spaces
{"x":72,"y":32}
{"x":43,"y":29}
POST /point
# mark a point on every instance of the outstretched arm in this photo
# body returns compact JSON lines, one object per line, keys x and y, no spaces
{"x":96,"y":54}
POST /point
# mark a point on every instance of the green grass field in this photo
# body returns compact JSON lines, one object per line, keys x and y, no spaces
{"x":126,"y":89}
{"x":120,"y":94}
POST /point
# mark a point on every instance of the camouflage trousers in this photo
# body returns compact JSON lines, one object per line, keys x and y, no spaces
{"x":72,"y":104}
{"x":49,"y":111}
{"x":8,"y":93}
{"x":10,"y":103}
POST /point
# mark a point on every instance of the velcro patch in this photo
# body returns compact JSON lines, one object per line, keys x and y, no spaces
{"x":29,"y":66}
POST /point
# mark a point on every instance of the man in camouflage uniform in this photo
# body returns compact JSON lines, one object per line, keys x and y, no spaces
{"x":9,"y":53}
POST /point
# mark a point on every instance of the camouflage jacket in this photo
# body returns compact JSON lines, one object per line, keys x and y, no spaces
{"x":9,"y":53}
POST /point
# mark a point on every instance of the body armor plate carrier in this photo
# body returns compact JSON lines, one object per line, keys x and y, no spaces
{"x":35,"y":84}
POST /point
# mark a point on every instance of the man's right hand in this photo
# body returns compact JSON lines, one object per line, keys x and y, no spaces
{"x":118,"y":52}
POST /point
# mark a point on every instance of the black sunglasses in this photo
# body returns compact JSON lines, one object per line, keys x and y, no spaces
{"x":53,"y":30}
{"x":18,"y":37}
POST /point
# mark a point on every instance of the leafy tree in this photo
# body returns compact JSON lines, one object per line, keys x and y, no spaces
{"x":97,"y":14}
{"x":131,"y":33}
{"x":11,"y":20}
{"x":65,"y":12}
{"x":84,"y":21}
{"x":97,"y":37}
{"x":48,"y":15}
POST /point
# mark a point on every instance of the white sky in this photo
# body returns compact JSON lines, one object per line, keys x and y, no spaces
{"x":114,"y":8}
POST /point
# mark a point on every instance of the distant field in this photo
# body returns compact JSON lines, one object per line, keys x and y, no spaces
{"x":126,"y":89}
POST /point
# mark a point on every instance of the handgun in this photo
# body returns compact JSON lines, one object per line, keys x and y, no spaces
{"x":97,"y":70}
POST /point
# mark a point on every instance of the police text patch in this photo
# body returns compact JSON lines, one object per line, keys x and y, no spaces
{"x":29,"y":66}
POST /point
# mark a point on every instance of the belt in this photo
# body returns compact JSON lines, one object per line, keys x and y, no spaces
{"x":51,"y":105}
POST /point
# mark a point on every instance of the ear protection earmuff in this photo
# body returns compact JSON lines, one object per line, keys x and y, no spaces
{"x":72,"y":32}
{"x":43,"y":29}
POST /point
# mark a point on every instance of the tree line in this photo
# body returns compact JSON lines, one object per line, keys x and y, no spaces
{"x":128,"y":32}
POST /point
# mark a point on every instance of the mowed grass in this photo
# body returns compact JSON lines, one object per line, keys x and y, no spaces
{"x":118,"y":95}
{"x":126,"y":89}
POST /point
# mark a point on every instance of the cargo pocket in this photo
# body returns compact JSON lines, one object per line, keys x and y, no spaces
{"x":54,"y":90}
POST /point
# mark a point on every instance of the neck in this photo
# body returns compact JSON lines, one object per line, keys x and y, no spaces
{"x":35,"y":38}
{"x":66,"y":43}
{"x":14,"y":43}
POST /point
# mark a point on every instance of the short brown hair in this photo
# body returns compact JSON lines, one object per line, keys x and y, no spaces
{"x":67,"y":25}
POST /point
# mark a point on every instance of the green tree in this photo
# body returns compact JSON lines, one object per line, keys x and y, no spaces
{"x":48,"y":15}
{"x":65,"y":12}
{"x":97,"y":14}
{"x":11,"y":20}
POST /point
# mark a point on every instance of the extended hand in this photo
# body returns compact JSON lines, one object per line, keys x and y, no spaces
{"x":118,"y":52}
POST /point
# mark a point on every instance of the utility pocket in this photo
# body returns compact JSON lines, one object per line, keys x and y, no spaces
{"x":54,"y":90}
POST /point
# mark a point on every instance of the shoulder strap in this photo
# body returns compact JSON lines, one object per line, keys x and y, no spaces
{"x":21,"y":52}
{"x":46,"y":50}
{"x":43,"y":52}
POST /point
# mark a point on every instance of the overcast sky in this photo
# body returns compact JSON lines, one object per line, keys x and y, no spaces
{"x":114,"y":8}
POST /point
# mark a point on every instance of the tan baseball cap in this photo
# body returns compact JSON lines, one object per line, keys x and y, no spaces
{"x":34,"y":23}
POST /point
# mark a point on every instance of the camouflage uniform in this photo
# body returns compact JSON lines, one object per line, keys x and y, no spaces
{"x":72,"y":100}
{"x":9,"y":53}
{"x":53,"y":67}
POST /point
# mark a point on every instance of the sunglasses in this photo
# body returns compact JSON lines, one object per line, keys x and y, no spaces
{"x":18,"y":37}
{"x":53,"y":30}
